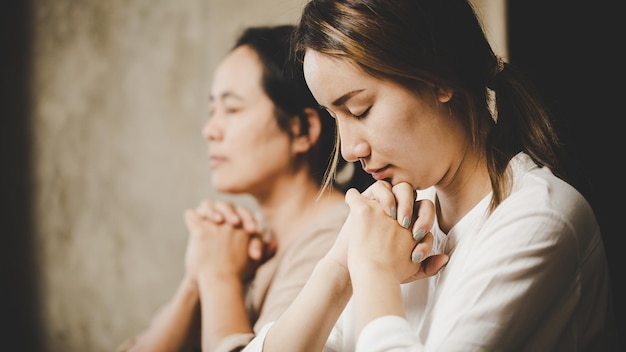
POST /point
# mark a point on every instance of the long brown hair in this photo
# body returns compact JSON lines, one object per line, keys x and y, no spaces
{"x":431,"y":44}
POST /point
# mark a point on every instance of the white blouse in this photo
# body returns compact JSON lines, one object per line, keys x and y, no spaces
{"x":532,"y":276}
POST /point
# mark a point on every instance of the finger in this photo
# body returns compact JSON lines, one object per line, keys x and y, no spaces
{"x":434,"y":263}
{"x":405,"y":202}
{"x":229,"y":212}
{"x":429,"y":267}
{"x":422,"y":248}
{"x":381,"y":192}
{"x":424,"y":218}
{"x":207,"y":210}
{"x":352,"y":197}
{"x":248,"y":219}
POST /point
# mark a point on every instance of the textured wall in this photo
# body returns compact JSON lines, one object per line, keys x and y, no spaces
{"x":120,"y":92}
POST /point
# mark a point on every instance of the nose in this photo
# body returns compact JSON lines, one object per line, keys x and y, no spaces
{"x":211,"y":130}
{"x":354,"y":146}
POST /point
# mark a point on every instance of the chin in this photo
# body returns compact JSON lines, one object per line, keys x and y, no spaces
{"x":221,"y":186}
{"x":228,"y":187}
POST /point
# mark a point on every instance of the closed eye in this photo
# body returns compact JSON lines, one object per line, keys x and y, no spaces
{"x":363,"y":114}
{"x":232,"y":110}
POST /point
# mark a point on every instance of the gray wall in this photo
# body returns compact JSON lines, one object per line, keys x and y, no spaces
{"x":118,"y":95}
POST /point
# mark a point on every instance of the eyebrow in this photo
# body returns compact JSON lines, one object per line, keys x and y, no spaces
{"x":344,"y":98}
{"x":226,"y":95}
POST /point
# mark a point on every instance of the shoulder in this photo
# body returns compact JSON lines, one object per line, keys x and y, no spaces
{"x":536,"y":190}
{"x":319,"y":235}
{"x":326,"y":223}
{"x":542,"y":211}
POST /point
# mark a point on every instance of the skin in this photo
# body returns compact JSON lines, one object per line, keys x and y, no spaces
{"x":242,"y":130}
{"x":403,"y":137}
{"x":400,"y":137}
{"x":407,"y":142}
{"x":226,"y":244}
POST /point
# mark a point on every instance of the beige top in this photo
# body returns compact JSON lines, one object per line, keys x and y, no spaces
{"x":279,"y":280}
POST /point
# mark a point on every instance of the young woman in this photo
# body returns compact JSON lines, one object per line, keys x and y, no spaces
{"x":421,"y":101}
{"x":267,"y":138}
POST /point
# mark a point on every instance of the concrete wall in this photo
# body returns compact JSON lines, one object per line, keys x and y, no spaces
{"x":118,"y":95}
{"x":120,"y":92}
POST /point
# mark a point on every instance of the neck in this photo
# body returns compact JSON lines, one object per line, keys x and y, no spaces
{"x":466,"y":187}
{"x":291,"y":206}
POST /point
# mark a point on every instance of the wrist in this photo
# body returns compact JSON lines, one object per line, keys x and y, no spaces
{"x":189,"y":287}
{"x":337,"y":275}
{"x":212,"y":283}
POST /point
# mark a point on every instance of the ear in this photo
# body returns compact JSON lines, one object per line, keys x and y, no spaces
{"x":303,"y":142}
{"x":444,"y":94}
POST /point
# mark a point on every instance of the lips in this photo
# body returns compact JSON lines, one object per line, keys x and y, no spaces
{"x":215,"y":161}
{"x":379,"y":174}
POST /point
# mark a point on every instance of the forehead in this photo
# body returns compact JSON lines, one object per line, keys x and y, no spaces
{"x":329,"y":77}
{"x":318,"y":65}
{"x":240,"y":70}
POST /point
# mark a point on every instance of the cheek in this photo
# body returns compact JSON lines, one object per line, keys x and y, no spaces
{"x":266,"y":153}
{"x":389,"y":135}
{"x":252,"y":132}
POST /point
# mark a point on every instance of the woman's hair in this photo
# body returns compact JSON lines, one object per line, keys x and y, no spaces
{"x":425,"y":45}
{"x":284,"y":84}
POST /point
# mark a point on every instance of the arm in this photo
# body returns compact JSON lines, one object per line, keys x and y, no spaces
{"x":513,"y":282}
{"x":329,"y":288}
{"x":223,"y":310}
{"x":176,"y":327}
{"x":307,"y":322}
{"x":384,"y":252}
{"x":291,"y":271}
{"x":218,"y":259}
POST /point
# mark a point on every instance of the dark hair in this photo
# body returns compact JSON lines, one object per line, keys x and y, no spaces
{"x":426,"y":45}
{"x":284,"y":84}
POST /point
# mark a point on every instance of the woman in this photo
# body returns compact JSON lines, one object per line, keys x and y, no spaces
{"x":267,"y":138}
{"x":411,"y":85}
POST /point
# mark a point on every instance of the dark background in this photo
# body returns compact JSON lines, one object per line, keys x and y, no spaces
{"x":20,"y":328}
{"x":570,"y":49}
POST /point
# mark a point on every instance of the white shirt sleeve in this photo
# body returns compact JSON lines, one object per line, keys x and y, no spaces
{"x":370,"y":340}
{"x":256,"y":345}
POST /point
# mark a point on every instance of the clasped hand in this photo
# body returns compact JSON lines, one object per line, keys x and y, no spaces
{"x":388,"y":230}
{"x":225,"y":241}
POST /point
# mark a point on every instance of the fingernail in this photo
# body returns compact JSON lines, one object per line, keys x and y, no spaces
{"x":405,"y":222}
{"x":417,"y":257}
{"x":419,"y":235}
{"x":394,"y":213}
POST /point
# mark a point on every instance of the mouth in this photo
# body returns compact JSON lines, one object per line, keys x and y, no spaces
{"x":216,"y":161}
{"x":379,"y":174}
